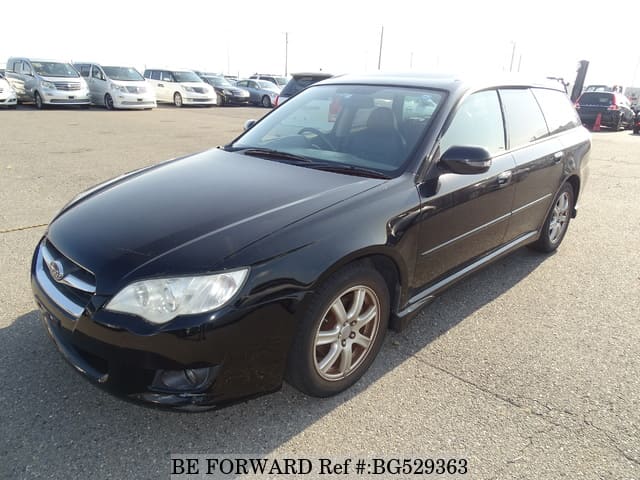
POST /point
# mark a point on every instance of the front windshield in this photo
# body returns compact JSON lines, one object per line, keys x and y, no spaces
{"x":55,"y":69}
{"x":267,"y":85}
{"x":186,"y":77}
{"x":372,"y":127}
{"x":123,"y":73}
{"x":281,"y":81}
{"x":219,"y":81}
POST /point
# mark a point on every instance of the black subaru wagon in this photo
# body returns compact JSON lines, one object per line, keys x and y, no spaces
{"x":289,"y":252}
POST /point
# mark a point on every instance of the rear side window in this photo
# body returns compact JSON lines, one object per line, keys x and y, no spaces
{"x":599,"y":99}
{"x":525,"y":122}
{"x":478,"y":122}
{"x":557,"y":109}
{"x":155,"y":75}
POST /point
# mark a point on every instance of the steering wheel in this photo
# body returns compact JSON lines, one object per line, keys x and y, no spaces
{"x":319,"y":134}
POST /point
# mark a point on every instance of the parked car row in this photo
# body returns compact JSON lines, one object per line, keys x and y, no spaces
{"x":48,"y":82}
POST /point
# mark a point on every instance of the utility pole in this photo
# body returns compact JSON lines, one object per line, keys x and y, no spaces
{"x":519,"y":62}
{"x":411,"y":61}
{"x":286,"y":53}
{"x":380,"y":53}
{"x":513,"y":54}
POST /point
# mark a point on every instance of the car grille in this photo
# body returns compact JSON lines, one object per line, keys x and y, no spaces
{"x":136,"y":89}
{"x":1,"y":89}
{"x":67,"y":86}
{"x":71,"y":291}
{"x":199,"y":90}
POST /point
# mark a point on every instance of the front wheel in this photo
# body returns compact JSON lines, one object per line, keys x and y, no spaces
{"x":108,"y":102}
{"x":266,"y":102}
{"x":557,"y":221}
{"x":177,"y":100}
{"x":220,"y":100}
{"x":37,"y":99}
{"x":341,"y":332}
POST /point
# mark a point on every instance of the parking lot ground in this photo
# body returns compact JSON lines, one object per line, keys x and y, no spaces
{"x":530,"y":368}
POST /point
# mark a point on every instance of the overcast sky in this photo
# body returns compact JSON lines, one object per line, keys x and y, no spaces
{"x":243,"y":37}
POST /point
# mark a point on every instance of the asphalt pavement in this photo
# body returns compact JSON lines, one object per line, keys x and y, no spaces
{"x":529,"y":369}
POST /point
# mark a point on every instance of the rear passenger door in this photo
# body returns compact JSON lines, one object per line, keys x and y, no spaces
{"x":539,"y":160}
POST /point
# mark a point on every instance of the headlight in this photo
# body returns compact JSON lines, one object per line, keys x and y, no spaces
{"x":49,"y":85}
{"x":227,"y":92}
{"x":161,"y":300}
{"x":118,"y":88}
{"x":188,"y":89}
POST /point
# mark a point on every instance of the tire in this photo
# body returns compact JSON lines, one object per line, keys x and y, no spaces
{"x":177,"y":100}
{"x":108,"y":102}
{"x":620,"y":124}
{"x":266,"y":102}
{"x":220,"y":100}
{"x":330,"y":352}
{"x":557,"y":222}
{"x":37,"y":99}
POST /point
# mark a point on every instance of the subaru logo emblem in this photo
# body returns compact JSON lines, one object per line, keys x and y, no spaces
{"x":56,"y":269}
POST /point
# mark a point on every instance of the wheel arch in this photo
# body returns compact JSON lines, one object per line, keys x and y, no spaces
{"x":574,"y":181}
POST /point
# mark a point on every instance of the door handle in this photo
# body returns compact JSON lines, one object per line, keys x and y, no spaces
{"x":557,"y":156}
{"x":504,"y":178}
{"x":161,"y":84}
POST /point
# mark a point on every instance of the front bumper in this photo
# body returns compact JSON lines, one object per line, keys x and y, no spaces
{"x":8,"y":100}
{"x":133,"y":100}
{"x":71,"y":97}
{"x":199,"y":99}
{"x":244,"y":350}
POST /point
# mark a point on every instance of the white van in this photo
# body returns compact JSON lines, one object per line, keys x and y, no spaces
{"x":117,"y":87}
{"x":46,"y":82}
{"x":180,"y":87}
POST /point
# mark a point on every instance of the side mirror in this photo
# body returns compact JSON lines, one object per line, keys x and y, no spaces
{"x":249,"y":124}
{"x":466,"y":160}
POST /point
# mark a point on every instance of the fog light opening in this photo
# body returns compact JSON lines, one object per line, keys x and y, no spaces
{"x":188,"y":380}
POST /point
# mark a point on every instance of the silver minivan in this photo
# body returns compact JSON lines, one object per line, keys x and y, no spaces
{"x":46,"y":82}
{"x":117,"y":87}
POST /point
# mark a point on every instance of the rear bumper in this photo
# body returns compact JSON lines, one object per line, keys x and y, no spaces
{"x":609,"y":118}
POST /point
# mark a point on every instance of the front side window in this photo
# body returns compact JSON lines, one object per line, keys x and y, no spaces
{"x":96,"y":73}
{"x":525,"y":122}
{"x":55,"y":69}
{"x":478,"y":122}
{"x":344,"y":126}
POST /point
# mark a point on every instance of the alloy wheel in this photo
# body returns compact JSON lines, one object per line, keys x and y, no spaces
{"x":560,"y":217}
{"x":346,"y":333}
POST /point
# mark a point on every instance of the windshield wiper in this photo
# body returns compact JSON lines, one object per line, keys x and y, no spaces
{"x":350,"y":170}
{"x":270,"y":153}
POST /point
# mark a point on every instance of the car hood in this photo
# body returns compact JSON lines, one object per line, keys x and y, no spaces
{"x":188,"y":215}
{"x":5,"y":84}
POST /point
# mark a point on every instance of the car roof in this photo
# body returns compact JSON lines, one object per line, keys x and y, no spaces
{"x":442,"y":81}
{"x":311,"y":74}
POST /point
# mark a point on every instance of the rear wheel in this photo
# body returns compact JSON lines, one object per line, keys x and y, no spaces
{"x":177,"y":100}
{"x":557,"y":221}
{"x":108,"y":102}
{"x":341,"y":332}
{"x":37,"y":99}
{"x":266,"y":102}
